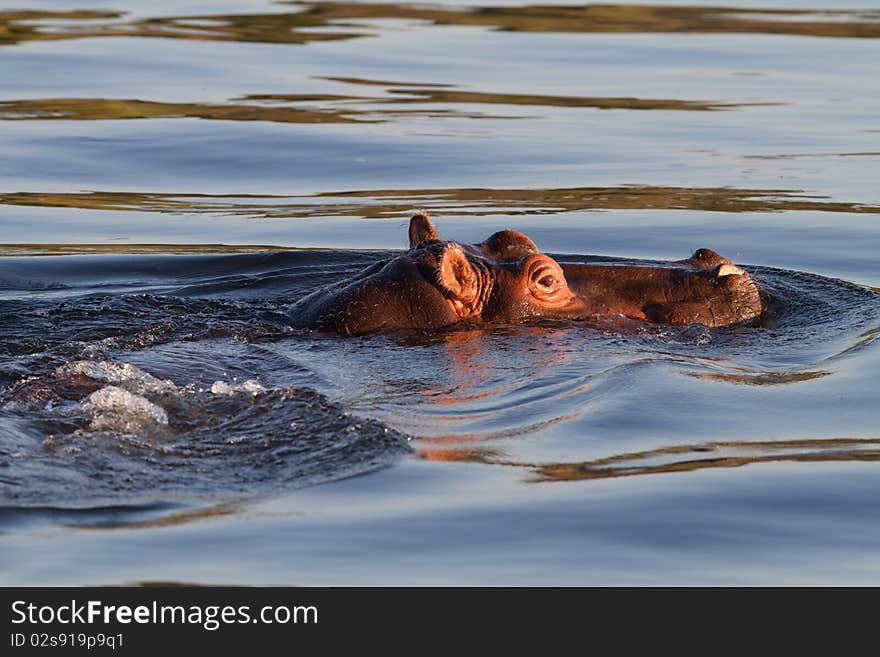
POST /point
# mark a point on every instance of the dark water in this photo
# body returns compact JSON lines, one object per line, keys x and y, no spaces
{"x":174,"y":175}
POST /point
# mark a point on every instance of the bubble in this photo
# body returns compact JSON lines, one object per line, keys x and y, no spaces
{"x":114,"y":409}
{"x":119,"y":373}
{"x":223,"y":388}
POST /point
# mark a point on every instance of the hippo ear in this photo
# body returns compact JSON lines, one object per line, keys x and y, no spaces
{"x":508,"y":246}
{"x":421,"y":230}
{"x":456,"y":276}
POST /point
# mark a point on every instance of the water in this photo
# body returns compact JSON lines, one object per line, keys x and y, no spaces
{"x":173,"y":176}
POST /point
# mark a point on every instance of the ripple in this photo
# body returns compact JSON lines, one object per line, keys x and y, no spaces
{"x":147,"y":438}
{"x":193,"y":395}
{"x":389,"y":203}
{"x":285,"y":108}
{"x":331,"y":21}
{"x":688,"y":458}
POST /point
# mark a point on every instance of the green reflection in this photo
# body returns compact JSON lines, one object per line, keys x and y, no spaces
{"x":17,"y":26}
{"x":418,"y":93}
{"x":96,"y":109}
{"x":761,"y":378}
{"x":678,"y":458}
{"x":323,"y":21}
{"x":390,"y":203}
{"x":688,"y":458}
{"x":329,"y":108}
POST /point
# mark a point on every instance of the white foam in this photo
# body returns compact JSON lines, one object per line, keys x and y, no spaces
{"x":119,"y":373}
{"x":223,"y":388}
{"x":113,"y":409}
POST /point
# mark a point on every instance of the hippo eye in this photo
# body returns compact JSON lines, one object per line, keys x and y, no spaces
{"x":546,"y":280}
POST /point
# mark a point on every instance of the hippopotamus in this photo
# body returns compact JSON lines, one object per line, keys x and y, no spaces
{"x":506,"y":279}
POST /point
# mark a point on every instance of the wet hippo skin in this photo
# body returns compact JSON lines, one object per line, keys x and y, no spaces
{"x":506,"y":279}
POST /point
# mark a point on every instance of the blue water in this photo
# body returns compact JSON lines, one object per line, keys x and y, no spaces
{"x":169,"y":187}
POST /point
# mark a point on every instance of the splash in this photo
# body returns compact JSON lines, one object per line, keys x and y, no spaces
{"x":117,"y":410}
{"x":143,"y":438}
{"x":198,"y":395}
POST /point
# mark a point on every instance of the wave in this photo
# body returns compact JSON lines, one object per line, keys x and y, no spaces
{"x":176,"y":380}
{"x":333,"y":21}
{"x":103,"y":432}
{"x":391,"y":203}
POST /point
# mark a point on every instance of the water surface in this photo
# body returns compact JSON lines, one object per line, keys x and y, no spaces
{"x":173,"y":176}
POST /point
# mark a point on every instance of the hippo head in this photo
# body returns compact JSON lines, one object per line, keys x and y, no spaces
{"x":438,"y":283}
{"x":506,"y":279}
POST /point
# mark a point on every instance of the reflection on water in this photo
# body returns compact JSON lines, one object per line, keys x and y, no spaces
{"x":337,"y":109}
{"x":403,"y":93}
{"x":155,"y":392}
{"x":152,"y":388}
{"x":98,"y":109}
{"x":761,"y":378}
{"x":388,"y":203}
{"x":18,"y":26}
{"x":677,"y":458}
{"x":326,"y":21}
{"x":71,"y":380}
{"x":687,"y":458}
